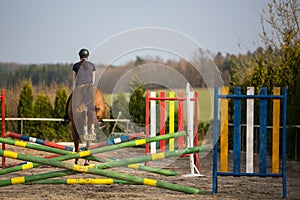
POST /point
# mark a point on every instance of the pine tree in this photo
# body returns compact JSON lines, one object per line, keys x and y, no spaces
{"x":60,"y":103}
{"x":43,"y":109}
{"x":119,"y":105}
{"x":137,"y":101}
{"x":62,"y":132}
{"x":25,"y":107}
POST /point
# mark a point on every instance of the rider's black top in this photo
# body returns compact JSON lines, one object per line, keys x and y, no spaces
{"x":84,"y":72}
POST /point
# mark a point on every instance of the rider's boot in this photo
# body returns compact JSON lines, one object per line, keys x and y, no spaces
{"x":65,"y":121}
{"x":101,"y":123}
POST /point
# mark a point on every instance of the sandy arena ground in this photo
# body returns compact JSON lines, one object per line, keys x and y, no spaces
{"x":229,"y":187}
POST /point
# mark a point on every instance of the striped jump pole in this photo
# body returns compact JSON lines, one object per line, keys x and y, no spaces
{"x":118,"y":140}
{"x":152,"y":157}
{"x":30,"y":165}
{"x":110,"y":164}
{"x":35,"y":177}
{"x":39,"y":141}
{"x":191,"y":101}
{"x":130,"y":162}
{"x":81,"y":181}
{"x":2,"y":99}
{"x":278,"y":102}
{"x":69,"y":155}
{"x":96,"y":171}
{"x":63,"y":147}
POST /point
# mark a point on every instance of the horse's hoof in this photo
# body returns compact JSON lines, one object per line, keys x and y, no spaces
{"x":86,"y":163}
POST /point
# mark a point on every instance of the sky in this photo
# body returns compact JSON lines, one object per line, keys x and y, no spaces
{"x":53,"y":31}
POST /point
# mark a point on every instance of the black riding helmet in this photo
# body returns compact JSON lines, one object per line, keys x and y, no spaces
{"x":84,"y":53}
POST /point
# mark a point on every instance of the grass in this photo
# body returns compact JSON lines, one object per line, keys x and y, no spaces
{"x":205,"y":101}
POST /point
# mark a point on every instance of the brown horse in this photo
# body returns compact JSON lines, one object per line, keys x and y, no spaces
{"x":86,"y":107}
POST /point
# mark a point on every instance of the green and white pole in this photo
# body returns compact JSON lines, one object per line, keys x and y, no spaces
{"x":65,"y":152}
{"x":71,"y":155}
{"x":85,"y":169}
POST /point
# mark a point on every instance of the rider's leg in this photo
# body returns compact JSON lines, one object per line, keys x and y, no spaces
{"x":101,"y":123}
{"x":98,"y":115}
{"x":66,"y":119}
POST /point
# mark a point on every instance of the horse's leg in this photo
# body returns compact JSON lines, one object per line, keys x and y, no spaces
{"x":85,"y":133}
{"x":87,"y":147}
{"x":76,"y":140}
{"x":92,"y":120}
{"x":76,"y":144}
{"x":74,"y":132}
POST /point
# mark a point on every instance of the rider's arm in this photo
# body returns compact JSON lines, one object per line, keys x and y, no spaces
{"x":74,"y":79}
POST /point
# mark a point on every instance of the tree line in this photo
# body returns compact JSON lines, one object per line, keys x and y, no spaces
{"x":13,"y":74}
